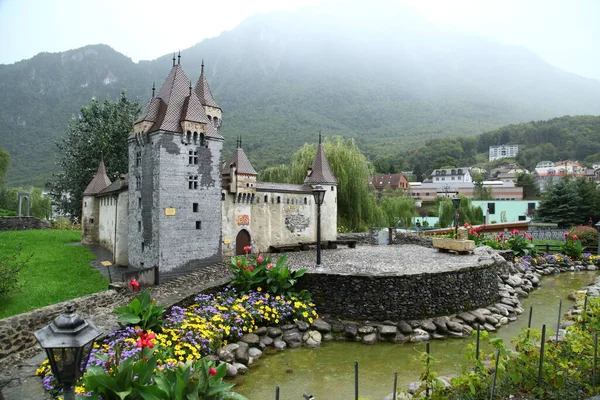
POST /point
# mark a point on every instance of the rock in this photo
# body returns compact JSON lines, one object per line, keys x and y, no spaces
{"x":419,"y":335}
{"x":468,"y":318}
{"x":405,"y":328}
{"x":327,"y":337}
{"x":312,"y":339}
{"x":455,"y":334}
{"x":399,"y":396}
{"x":436,"y":335}
{"x":225,"y":355}
{"x":514,"y":281}
{"x":428,"y":325}
{"x":254,"y":352}
{"x":489,"y":327}
{"x":266,"y":341}
{"x":279,"y":344}
{"x":454,"y":326}
{"x":480,"y":317}
{"x":413,"y":387}
{"x":231,"y":370}
{"x":371,"y":338}
{"x":366,"y":329}
{"x":321,"y":326}
{"x":467,"y":329}
{"x":292,"y":338}
{"x":521,"y":293}
{"x":250,"y":338}
{"x":491,"y":320}
{"x":232,"y":347}
{"x":242,"y":355}
{"x":336,"y":326}
{"x":484,"y":311}
{"x":302,"y":326}
{"x":400,"y":338}
{"x":288,"y":327}
{"x":440,"y":324}
{"x":241,"y":368}
{"x":273,"y":332}
{"x":387,"y":330}
{"x":261,"y":331}
{"x":503,"y":321}
{"x":350,"y":331}
{"x":414,"y":324}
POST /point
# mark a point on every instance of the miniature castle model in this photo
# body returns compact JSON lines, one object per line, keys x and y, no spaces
{"x":180,"y":208}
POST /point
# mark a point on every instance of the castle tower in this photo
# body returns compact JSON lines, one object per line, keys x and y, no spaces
{"x":90,"y":215}
{"x":212,"y":110}
{"x":175,"y":181}
{"x":239,"y":176}
{"x":320,"y":174}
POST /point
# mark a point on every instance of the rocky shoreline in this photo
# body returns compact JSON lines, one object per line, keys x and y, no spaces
{"x":514,"y":282}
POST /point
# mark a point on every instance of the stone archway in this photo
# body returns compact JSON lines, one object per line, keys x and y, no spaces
{"x":27,"y":198}
{"x":242,"y":240}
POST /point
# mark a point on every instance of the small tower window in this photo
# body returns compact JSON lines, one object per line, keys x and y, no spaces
{"x":195,"y":137}
{"x":193,"y":182}
{"x":188,"y":137}
{"x":266,"y":199}
{"x":278,"y":199}
{"x":202,"y":137}
{"x":138,"y":181}
{"x":91,"y":221}
{"x":195,"y":207}
{"x":252,"y":199}
{"x":223,"y":196}
{"x":193,"y":157}
{"x":198,"y":224}
{"x":305,"y":201}
{"x":139,"y":226}
{"x":138,"y":158}
{"x":216,"y":122}
{"x":143,"y":247}
{"x":139,"y":202}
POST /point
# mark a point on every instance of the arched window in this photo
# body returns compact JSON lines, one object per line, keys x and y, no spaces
{"x":223,"y":196}
{"x":305,"y":201}
{"x":189,"y":137}
{"x":195,"y":137}
{"x":266,"y":199}
{"x":278,"y":199}
{"x":202,"y":137}
{"x":216,"y":122}
{"x":252,"y":199}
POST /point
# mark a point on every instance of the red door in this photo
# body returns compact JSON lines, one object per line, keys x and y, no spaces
{"x":242,"y":240}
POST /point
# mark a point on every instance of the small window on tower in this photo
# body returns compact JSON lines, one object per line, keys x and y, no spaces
{"x":139,"y":226}
{"x":143,"y":247}
{"x":195,"y":207}
{"x":138,"y":158}
{"x":193,"y":157}
{"x":192,"y":181}
{"x":266,"y":199}
{"x":91,"y":221}
{"x":198,"y":224}
{"x":139,"y":202}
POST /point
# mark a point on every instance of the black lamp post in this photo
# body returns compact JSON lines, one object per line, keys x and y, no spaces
{"x":598,"y":228}
{"x":68,"y":341}
{"x":319,"y":194}
{"x":456,"y":203}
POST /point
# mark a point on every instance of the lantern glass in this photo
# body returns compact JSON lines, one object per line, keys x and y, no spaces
{"x":456,"y":202}
{"x":319,"y":194}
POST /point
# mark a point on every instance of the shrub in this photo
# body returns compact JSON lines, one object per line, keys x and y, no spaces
{"x":7,"y":213}
{"x":64,"y":224}
{"x":572,"y":246}
{"x":142,"y":311}
{"x":9,"y":271}
{"x":587,"y":234}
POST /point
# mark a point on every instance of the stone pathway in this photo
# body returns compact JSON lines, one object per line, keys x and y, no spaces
{"x":116,"y":273}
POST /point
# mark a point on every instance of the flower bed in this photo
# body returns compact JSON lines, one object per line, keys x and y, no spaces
{"x":188,"y":335}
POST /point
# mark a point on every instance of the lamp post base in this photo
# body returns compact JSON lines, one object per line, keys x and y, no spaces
{"x":319,"y":267}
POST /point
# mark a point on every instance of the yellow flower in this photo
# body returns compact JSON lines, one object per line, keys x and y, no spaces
{"x":259,"y":289}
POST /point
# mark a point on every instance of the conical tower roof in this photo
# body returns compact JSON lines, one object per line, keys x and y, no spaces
{"x":320,"y":172}
{"x":203,"y":91}
{"x":241,"y":161}
{"x":192,"y":109}
{"x":99,"y":182}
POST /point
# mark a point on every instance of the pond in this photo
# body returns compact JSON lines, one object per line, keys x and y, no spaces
{"x":328,"y":372}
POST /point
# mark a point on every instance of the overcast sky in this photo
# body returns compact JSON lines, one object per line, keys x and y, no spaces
{"x":566,"y":33}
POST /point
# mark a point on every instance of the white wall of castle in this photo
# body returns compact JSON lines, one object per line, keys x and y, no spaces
{"x":275,"y":218}
{"x":114,"y":211}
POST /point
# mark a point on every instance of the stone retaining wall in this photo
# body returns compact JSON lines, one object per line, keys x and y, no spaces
{"x":22,"y":223}
{"x":360,"y":237}
{"x":380,"y":298}
{"x":16,"y":332}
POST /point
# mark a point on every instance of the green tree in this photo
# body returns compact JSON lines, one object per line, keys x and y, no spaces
{"x":40,"y":205}
{"x":466,"y":212}
{"x":561,"y":204}
{"x":480,"y":192}
{"x":100,"y":130}
{"x":4,"y":164}
{"x":531,"y":189}
{"x":398,"y":210}
{"x":357,"y":206}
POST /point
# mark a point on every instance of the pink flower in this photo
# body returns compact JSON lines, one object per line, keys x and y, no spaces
{"x":574,"y":237}
{"x":566,"y":234}
{"x":134,"y":285}
{"x":466,"y":224}
{"x":247,"y":249}
{"x":260,"y":258}
{"x":515,"y":231}
{"x":239,"y":263}
{"x":212,"y":371}
{"x":269,"y":266}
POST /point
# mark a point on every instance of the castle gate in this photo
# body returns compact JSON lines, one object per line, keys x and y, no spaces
{"x":242,"y":240}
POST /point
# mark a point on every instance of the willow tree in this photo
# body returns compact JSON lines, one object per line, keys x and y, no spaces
{"x":466,"y":212}
{"x":398,"y":210}
{"x":357,"y":206}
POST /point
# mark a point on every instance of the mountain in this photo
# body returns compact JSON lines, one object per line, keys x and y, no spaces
{"x":389,"y":79}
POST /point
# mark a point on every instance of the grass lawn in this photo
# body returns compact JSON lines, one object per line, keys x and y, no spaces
{"x":57,"y":270}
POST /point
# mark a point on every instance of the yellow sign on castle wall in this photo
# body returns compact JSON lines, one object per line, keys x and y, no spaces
{"x":169,"y":212}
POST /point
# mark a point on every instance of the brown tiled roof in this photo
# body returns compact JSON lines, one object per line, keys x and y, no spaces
{"x":193,"y":110}
{"x":387,"y":180}
{"x":203,"y":91}
{"x":118,"y":185}
{"x":241,"y":162}
{"x":320,"y":172}
{"x":151,"y":111}
{"x":212,"y":132}
{"x":99,"y":182}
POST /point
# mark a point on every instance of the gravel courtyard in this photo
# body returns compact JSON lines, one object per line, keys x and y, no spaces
{"x":382,"y":260}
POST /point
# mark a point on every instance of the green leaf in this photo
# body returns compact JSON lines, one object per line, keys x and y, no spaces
{"x":130,"y":319}
{"x":152,"y":393}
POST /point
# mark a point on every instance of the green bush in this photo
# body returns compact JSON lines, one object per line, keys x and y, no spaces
{"x":572,"y":246}
{"x":142,"y":311}
{"x":64,"y":224}
{"x":10,"y":266}
{"x":7,"y":213}
{"x":587,"y":234}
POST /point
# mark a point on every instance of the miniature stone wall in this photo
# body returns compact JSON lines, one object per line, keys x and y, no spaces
{"x":22,"y":223}
{"x":404,"y":297}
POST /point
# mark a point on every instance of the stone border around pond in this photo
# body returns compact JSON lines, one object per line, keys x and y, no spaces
{"x":517,"y":283}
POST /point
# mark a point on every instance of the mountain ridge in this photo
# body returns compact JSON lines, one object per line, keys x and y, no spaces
{"x":279,"y":83}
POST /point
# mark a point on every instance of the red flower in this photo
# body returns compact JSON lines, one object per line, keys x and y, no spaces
{"x":574,"y":237}
{"x":251,"y":268}
{"x":260,"y":258}
{"x":239,"y":263}
{"x":269,"y":266}
{"x":134,"y":285}
{"x":145,"y":339}
{"x":566,"y":234}
{"x":212,"y":371}
{"x":247,"y":249}
{"x":466,"y":224}
{"x":515,"y":231}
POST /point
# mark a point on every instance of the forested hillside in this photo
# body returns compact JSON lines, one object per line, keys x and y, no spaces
{"x":392,"y":84}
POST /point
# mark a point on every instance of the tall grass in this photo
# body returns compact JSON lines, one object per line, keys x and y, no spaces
{"x":58,"y":270}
